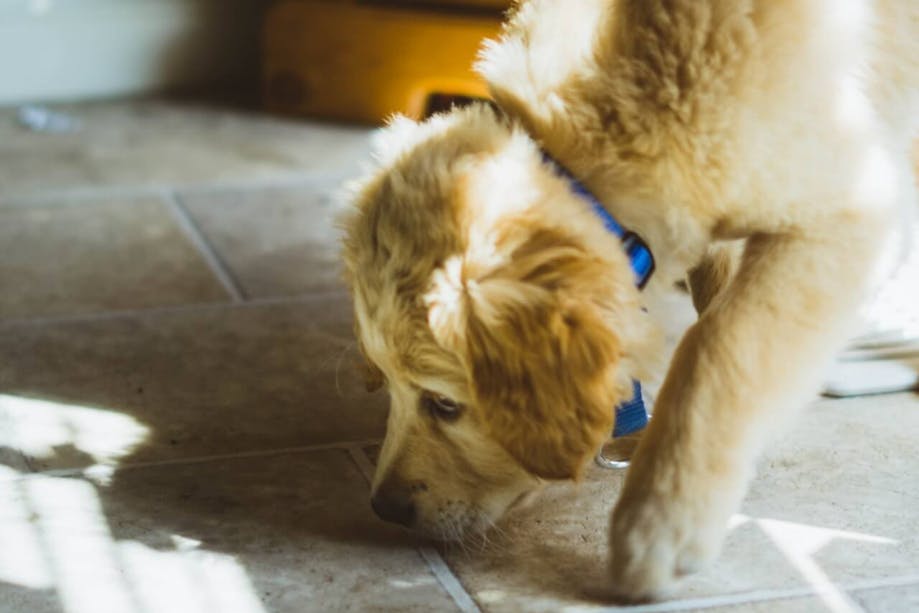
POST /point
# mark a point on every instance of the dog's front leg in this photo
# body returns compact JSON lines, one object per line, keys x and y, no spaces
{"x":713,"y":274}
{"x":753,"y":356}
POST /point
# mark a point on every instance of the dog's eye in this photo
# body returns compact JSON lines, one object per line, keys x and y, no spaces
{"x":441,"y":407}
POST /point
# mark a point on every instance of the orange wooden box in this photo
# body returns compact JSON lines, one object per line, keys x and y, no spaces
{"x":361,"y":62}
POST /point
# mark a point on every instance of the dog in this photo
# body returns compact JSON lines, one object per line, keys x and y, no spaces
{"x":759,"y":148}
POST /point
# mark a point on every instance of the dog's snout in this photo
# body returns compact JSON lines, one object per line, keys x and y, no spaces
{"x":394,"y":506}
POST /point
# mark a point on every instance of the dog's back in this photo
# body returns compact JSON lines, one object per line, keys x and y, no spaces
{"x":897,"y":67}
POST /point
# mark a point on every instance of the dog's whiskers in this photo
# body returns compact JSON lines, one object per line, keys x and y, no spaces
{"x":499,"y":543}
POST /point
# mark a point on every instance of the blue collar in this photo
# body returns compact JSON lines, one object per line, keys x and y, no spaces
{"x":632,"y":414}
{"x":640,"y":256}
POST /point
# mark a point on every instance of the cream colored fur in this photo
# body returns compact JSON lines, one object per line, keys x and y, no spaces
{"x":478,"y":275}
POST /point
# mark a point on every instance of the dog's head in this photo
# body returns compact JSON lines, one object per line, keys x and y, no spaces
{"x":496,"y":310}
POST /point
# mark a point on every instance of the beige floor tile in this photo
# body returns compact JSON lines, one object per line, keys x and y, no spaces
{"x":16,"y":599}
{"x":170,"y":142}
{"x":835,"y":501}
{"x":289,"y":533}
{"x":848,"y":470}
{"x":785,"y":605}
{"x":276,"y":241}
{"x":12,"y":462}
{"x":161,"y":386}
{"x":903,"y":599}
{"x":99,"y":255}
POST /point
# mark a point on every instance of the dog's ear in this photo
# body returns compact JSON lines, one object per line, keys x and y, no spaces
{"x":399,"y":135}
{"x":541,"y":356}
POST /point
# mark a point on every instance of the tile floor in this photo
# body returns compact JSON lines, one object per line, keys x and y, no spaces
{"x":182,"y":427}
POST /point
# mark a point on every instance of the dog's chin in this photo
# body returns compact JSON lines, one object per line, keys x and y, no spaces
{"x":459,"y":522}
{"x":453,"y":532}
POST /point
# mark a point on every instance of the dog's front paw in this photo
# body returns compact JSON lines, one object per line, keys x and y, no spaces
{"x":657,"y":536}
{"x":653,"y":544}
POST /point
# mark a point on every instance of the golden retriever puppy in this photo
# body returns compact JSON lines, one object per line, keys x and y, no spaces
{"x":505,"y":319}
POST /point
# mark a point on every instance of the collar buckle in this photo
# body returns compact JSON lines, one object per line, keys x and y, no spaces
{"x":640,"y":257}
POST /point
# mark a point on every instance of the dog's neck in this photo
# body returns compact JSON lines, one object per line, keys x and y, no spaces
{"x":593,"y":115}
{"x":640,"y":257}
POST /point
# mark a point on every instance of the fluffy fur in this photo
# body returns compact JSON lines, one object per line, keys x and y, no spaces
{"x":761,"y":146}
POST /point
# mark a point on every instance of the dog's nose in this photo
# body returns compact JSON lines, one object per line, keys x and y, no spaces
{"x":397,"y":507}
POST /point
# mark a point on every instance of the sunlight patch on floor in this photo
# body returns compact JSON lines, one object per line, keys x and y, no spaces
{"x":800,"y":542}
{"x":40,"y":428}
{"x":55,"y":533}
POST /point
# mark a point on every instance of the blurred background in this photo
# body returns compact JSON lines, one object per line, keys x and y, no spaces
{"x":53,"y":50}
{"x":328,"y":58}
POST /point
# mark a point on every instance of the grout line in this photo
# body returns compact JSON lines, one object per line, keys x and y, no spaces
{"x":170,"y":310}
{"x":265,"y":453}
{"x":759,"y":596}
{"x":711,"y":602}
{"x":363,"y":462}
{"x":73,"y":195}
{"x":294,"y":181}
{"x":76,"y":196}
{"x":194,"y":233}
{"x":874,"y":584}
{"x":870,"y":584}
{"x":435,"y":562}
{"x":447,"y":579}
